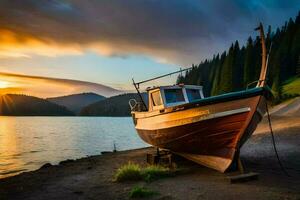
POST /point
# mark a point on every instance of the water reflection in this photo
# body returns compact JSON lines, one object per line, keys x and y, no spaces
{"x":26,"y":143}
{"x":10,"y":156}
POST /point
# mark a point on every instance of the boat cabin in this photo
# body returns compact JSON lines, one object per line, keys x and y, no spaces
{"x":169,"y":96}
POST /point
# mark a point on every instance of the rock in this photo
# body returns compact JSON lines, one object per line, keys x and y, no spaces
{"x":106,"y":152}
{"x":66,"y":162}
{"x":47,"y":165}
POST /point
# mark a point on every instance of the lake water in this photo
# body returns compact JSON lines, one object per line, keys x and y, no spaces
{"x":26,"y":143}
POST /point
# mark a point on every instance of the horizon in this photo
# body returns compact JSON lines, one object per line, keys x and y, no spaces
{"x":105,"y":49}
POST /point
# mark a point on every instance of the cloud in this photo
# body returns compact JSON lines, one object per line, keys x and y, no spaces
{"x":181,"y":32}
{"x":50,"y":87}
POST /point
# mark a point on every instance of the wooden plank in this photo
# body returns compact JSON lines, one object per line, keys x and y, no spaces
{"x":164,"y":158}
{"x":243,"y":177}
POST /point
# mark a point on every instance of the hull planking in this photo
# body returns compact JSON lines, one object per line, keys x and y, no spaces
{"x":210,"y":135}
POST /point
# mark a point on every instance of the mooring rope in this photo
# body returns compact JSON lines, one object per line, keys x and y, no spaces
{"x":274,"y":143}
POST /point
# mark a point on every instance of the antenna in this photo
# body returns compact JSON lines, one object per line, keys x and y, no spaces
{"x":158,"y":77}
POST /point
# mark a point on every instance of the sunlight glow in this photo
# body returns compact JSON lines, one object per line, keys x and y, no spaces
{"x":9,"y":146}
{"x":4,"y":84}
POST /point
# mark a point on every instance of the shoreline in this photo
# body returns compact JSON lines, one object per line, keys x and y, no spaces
{"x":62,"y":162}
{"x":91,"y":177}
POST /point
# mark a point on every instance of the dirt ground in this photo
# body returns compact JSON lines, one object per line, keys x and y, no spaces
{"x":91,"y":178}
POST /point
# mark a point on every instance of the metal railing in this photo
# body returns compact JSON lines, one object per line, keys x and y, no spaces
{"x":136,"y":105}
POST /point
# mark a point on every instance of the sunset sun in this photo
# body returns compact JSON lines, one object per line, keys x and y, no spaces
{"x":4,"y":84}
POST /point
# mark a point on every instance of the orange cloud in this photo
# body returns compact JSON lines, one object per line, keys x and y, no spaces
{"x":17,"y":45}
{"x":181,"y":32}
{"x":55,"y":28}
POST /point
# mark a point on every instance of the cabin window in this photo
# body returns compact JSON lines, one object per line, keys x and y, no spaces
{"x":156,"y":99}
{"x":193,"y":94}
{"x":173,"y":95}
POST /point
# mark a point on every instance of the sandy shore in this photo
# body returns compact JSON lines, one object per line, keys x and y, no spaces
{"x":91,"y":178}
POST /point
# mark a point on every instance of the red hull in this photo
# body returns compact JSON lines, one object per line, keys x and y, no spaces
{"x":211,"y":141}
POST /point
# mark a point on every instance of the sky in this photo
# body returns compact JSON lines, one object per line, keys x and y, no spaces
{"x":109,"y":42}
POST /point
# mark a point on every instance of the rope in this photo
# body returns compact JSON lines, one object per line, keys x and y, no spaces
{"x":274,"y":143}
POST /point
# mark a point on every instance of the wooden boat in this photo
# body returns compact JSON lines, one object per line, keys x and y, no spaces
{"x":209,"y":131}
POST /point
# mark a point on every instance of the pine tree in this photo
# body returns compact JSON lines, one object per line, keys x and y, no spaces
{"x":295,"y":45}
{"x":237,"y":67}
{"x":256,"y":60}
{"x":227,"y":72}
{"x":248,"y":62}
{"x":217,"y":78}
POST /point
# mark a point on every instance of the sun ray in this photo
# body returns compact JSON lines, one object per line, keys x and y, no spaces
{"x":6,"y":104}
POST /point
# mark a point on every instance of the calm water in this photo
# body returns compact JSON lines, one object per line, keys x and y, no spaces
{"x":26,"y":143}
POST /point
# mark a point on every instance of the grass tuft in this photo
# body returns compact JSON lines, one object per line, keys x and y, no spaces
{"x":133,"y":172}
{"x":128,"y":172}
{"x":140,"y":192}
{"x":154,"y":172}
{"x":292,"y":86}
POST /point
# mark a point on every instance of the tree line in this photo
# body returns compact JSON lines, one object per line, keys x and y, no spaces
{"x":239,"y":66}
{"x":23,"y":105}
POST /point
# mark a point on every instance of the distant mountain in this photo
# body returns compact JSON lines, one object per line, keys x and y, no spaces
{"x":76,"y":102}
{"x":22,"y":105}
{"x":113,"y":106}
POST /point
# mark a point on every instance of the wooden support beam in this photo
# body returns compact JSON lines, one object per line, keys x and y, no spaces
{"x":243,"y":177}
{"x":240,"y":166}
{"x":160,"y":157}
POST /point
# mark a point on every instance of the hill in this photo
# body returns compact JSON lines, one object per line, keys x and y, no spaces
{"x":113,"y":106}
{"x":292,"y":87}
{"x":76,"y":102}
{"x":22,"y":105}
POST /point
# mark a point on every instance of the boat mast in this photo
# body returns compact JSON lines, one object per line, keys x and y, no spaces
{"x":263,"y":72}
{"x":138,"y":91}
